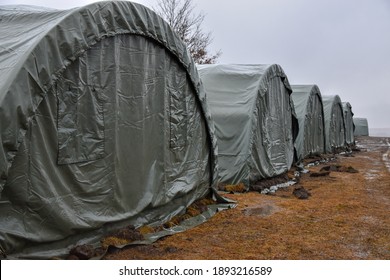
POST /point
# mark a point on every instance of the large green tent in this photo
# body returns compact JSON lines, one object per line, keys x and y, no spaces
{"x":349,"y":125}
{"x":334,"y":123}
{"x":309,"y":109}
{"x":103,"y":124}
{"x":254,"y":119}
{"x":361,"y":127}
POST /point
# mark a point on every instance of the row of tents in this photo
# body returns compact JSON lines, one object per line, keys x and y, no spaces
{"x":105,"y":121}
{"x":264,"y":124}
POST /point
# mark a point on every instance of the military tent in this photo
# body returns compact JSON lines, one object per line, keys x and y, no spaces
{"x":254,"y":120}
{"x":103,"y":124}
{"x":334,"y":123}
{"x":309,"y":109}
{"x":361,"y":127}
{"x":348,"y":121}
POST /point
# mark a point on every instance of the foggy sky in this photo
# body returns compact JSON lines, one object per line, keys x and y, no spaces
{"x":343,"y":46}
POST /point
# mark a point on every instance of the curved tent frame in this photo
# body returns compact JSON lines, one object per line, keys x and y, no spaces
{"x":254,"y":119}
{"x":309,"y":109}
{"x":334,"y":123}
{"x":42,"y":52}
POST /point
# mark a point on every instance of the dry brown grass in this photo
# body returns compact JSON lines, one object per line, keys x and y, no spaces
{"x":346,"y":217}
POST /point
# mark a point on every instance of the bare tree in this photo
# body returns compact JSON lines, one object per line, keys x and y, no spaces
{"x":187,"y":24}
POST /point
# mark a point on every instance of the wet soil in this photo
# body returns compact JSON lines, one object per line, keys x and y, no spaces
{"x":344,"y":216}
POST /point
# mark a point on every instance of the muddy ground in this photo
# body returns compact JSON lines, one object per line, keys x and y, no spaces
{"x":345,"y":216}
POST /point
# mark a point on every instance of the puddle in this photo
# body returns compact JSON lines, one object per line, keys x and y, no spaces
{"x":386,"y":160}
{"x":373,"y":144}
{"x":264,"y":210}
{"x":377,"y":145}
{"x":386,"y":156}
{"x":371,"y":175}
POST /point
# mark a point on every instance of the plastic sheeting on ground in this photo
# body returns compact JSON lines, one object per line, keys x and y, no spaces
{"x":334,"y":123}
{"x":309,"y":109}
{"x":349,"y":125}
{"x":254,"y":119}
{"x":103,"y":122}
{"x":361,"y":127}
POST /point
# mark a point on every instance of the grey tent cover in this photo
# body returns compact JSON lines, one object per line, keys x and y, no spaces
{"x":361,"y":127}
{"x":254,"y":117}
{"x":309,"y":109}
{"x":334,"y":123}
{"x":103,"y":123}
{"x":349,"y":125}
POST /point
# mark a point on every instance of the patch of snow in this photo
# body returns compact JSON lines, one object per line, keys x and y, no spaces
{"x":274,"y":188}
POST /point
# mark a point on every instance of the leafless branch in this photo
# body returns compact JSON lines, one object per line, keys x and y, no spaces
{"x":181,"y":16}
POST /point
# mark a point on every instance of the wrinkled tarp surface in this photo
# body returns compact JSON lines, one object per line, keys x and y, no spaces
{"x":348,"y":121}
{"x":334,"y":122}
{"x":361,"y":127}
{"x":309,"y":109}
{"x":103,"y":123}
{"x":254,"y":120}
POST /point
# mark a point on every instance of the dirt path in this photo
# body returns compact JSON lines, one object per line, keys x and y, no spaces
{"x":346,"y":217}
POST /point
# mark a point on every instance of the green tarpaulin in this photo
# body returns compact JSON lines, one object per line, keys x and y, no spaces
{"x":254,"y":119}
{"x":349,"y":126}
{"x":334,"y":123}
{"x":103,"y":123}
{"x":309,"y":109}
{"x":361,"y":127}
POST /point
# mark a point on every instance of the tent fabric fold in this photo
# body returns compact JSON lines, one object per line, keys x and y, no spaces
{"x":309,"y":109}
{"x":254,"y":119}
{"x":104,"y":123}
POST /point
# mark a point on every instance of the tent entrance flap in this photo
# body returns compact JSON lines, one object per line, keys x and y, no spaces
{"x":80,"y":115}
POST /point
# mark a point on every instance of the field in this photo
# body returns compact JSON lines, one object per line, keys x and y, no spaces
{"x":346,"y":216}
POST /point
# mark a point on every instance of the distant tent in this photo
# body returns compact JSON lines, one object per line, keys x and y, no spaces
{"x":254,"y":119}
{"x":361,"y":127}
{"x":348,"y":121}
{"x":334,"y":123}
{"x":309,"y":109}
{"x":103,"y":124}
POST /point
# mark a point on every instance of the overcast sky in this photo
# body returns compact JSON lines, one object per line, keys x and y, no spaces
{"x":343,"y":46}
